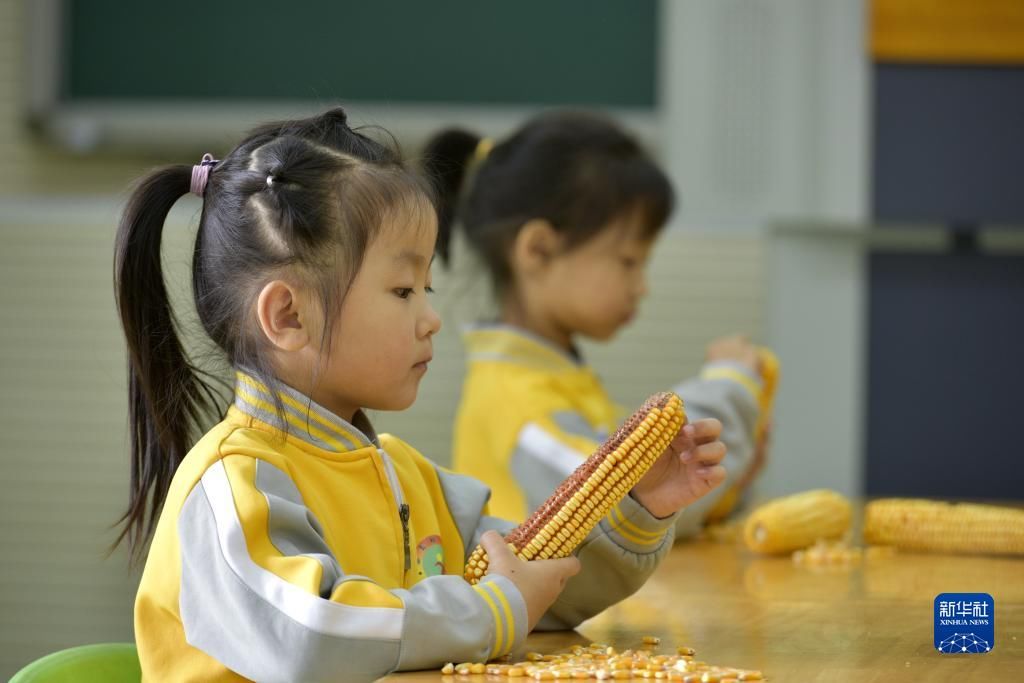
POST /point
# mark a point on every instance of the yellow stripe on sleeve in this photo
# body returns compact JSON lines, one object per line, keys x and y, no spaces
{"x":633,"y":528}
{"x":510,"y":637}
{"x":618,"y":525}
{"x":482,"y":592}
{"x":733,"y":375}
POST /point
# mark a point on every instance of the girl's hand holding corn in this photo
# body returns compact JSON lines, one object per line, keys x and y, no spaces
{"x":539,"y":581}
{"x":736,"y":348}
{"x":686,"y":471}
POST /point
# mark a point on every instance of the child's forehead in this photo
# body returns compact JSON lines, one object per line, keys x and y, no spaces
{"x":626,"y":230}
{"x":407,"y":235}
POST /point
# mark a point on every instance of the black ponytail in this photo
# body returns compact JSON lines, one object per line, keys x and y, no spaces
{"x":445,"y":162}
{"x":168,"y":401}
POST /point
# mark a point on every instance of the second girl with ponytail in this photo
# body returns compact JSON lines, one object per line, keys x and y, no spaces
{"x":563,"y":214}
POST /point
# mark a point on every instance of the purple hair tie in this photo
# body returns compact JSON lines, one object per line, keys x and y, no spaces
{"x":201,"y":173}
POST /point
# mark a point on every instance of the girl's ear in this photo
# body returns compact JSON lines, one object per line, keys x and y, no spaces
{"x":536,"y":243}
{"x":284,"y":316}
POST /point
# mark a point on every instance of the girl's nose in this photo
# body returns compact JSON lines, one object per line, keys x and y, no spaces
{"x":430,"y":322}
{"x":640,"y":288}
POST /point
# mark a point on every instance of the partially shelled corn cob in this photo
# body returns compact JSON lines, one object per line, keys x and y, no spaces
{"x":915,"y":524}
{"x":770,"y":367}
{"x":769,"y":371}
{"x":581,"y":501}
{"x":797,"y":521}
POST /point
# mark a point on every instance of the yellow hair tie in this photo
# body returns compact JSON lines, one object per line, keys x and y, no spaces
{"x":483,"y":148}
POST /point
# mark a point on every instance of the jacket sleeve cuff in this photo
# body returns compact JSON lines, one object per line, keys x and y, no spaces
{"x":509,"y":611}
{"x":633,"y":528}
{"x":733,"y":372}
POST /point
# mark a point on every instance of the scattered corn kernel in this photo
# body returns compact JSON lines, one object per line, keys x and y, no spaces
{"x":601,"y":662}
{"x":824,"y":553}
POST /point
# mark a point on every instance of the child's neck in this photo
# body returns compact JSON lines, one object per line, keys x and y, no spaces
{"x":545,"y":328}
{"x":302,"y":381}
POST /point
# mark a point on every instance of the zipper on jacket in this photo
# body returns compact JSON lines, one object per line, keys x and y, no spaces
{"x":403,"y":507}
{"x":403,"y":514}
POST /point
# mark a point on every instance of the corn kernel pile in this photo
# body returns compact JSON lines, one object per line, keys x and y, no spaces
{"x":602,"y":662}
{"x":838,"y":554}
{"x":730,"y":532}
{"x":823,"y":553}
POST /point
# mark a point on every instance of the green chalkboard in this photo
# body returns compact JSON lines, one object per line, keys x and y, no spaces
{"x":522,"y":52}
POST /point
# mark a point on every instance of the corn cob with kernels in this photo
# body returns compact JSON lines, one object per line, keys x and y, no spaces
{"x":913,"y":524}
{"x":769,"y":371}
{"x":797,"y":521}
{"x":581,"y":501}
{"x":770,"y":368}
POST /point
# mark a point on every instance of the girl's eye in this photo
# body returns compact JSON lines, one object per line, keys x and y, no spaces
{"x":429,"y":289}
{"x":403,"y":292}
{"x":629,"y":262}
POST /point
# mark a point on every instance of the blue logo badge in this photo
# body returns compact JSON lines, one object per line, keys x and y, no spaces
{"x":965,"y":623}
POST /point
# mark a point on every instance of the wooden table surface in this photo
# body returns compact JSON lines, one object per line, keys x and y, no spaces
{"x":867,"y":623}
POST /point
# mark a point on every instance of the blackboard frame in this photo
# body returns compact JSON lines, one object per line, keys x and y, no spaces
{"x":94,"y":124}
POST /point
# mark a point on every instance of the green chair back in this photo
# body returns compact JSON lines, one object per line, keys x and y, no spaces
{"x":99,"y":663}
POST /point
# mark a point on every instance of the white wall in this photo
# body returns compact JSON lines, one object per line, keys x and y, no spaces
{"x":766,"y":122}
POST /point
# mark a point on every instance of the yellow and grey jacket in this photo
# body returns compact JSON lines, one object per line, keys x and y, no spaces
{"x":530,"y":413}
{"x":309,"y":549}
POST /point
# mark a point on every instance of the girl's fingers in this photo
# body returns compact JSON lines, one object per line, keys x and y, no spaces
{"x":708,"y":429}
{"x":682,"y":445}
{"x":565,"y":566}
{"x":709,"y":454}
{"x":699,"y":450}
{"x":711,"y":476}
{"x":494,"y":545}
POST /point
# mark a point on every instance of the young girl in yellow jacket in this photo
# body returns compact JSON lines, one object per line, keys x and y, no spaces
{"x":291,"y":542}
{"x":563,"y":215}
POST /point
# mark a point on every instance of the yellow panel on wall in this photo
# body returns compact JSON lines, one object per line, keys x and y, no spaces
{"x":948,"y":31}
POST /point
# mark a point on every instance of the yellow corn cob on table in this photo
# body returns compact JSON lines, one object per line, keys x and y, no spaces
{"x":797,"y":521}
{"x":559,"y":525}
{"x":964,"y":528}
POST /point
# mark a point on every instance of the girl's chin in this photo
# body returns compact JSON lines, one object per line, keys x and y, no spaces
{"x":603,"y":334}
{"x":400,"y":400}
